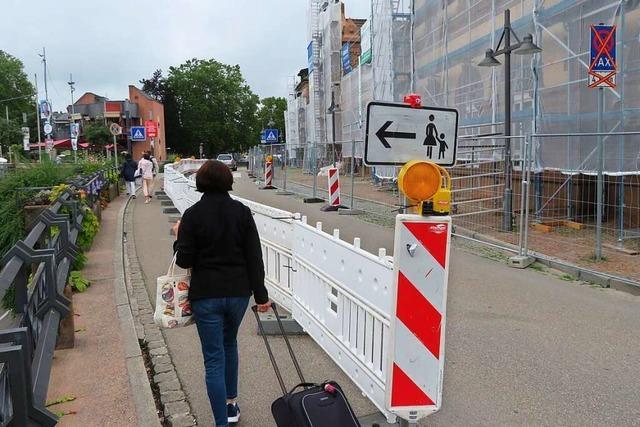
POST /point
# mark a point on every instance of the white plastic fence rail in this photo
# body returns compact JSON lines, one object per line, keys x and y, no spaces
{"x":339,"y":293}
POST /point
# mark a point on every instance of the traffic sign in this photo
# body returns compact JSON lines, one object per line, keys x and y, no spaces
{"x":397,"y":133}
{"x":603,"y":67}
{"x":152,"y":128}
{"x":271,"y":135}
{"x":138,"y":133}
{"x":48,"y":129}
{"x":115,"y":129}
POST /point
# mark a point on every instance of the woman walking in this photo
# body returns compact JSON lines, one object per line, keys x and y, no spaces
{"x":146,"y":170}
{"x":128,"y":173}
{"x":218,"y":239}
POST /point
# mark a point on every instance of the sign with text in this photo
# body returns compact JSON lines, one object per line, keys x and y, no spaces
{"x":45,"y":109}
{"x":397,"y":133}
{"x":74,"y":131}
{"x":365,"y":42}
{"x":152,"y":128}
{"x":25,"y":138}
{"x":602,"y":65}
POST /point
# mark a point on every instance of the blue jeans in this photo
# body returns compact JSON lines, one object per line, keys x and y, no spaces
{"x":218,"y":320}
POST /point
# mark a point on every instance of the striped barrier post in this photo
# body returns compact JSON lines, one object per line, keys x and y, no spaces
{"x":268,"y":177}
{"x":333,"y":178}
{"x":416,"y":352}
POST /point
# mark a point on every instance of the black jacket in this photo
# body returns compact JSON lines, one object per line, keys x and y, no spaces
{"x":128,"y":170}
{"x":219,"y":241}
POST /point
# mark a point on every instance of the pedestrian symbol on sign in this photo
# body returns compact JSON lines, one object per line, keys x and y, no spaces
{"x":271,"y":135}
{"x":138,"y":133}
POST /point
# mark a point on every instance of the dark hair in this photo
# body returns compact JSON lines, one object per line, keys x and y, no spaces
{"x":127,"y":156}
{"x":146,"y":156}
{"x":214,"y":177}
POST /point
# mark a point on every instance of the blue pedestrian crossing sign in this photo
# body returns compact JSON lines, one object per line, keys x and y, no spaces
{"x":138,"y":133}
{"x":271,"y":136}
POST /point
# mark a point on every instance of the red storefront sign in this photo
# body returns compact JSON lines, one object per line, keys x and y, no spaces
{"x":152,"y":128}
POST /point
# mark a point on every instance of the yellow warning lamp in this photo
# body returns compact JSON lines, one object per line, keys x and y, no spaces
{"x":426,"y":185}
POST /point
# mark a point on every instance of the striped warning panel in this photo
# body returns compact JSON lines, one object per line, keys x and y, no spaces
{"x":268,"y":174}
{"x":416,"y":362}
{"x":334,"y":187}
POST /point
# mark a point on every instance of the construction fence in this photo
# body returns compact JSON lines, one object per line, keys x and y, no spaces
{"x":559,"y":217}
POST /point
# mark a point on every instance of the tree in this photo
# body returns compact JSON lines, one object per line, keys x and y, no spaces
{"x":16,"y":97}
{"x":157,"y":88}
{"x":9,"y":134}
{"x":272,"y":111}
{"x":16,"y":91}
{"x":207,"y":102}
{"x":97,"y":133}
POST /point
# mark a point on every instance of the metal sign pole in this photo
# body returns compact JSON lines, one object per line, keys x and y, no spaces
{"x":115,"y":152}
{"x":351,"y":210}
{"x":599,"y":186}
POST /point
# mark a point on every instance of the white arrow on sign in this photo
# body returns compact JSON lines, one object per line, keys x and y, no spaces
{"x":398,"y":133}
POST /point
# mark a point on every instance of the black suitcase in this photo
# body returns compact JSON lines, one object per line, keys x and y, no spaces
{"x":315,"y":405}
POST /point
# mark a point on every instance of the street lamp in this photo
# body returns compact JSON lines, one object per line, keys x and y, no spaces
{"x":526,"y":46}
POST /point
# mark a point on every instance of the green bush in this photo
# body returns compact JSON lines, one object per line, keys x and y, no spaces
{"x":90,"y":227}
{"x":78,"y":282}
{"x":12,"y":200}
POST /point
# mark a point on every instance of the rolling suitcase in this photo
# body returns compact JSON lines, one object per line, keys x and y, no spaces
{"x":307,"y":404}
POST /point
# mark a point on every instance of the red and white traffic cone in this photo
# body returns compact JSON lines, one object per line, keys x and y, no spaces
{"x":334,"y":191}
{"x":268,"y":177}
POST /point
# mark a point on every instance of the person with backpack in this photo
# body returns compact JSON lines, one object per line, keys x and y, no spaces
{"x":128,"y":173}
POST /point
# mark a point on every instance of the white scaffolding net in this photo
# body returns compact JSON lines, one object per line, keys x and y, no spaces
{"x":550,"y":90}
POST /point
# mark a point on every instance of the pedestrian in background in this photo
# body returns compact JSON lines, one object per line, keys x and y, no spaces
{"x":128,"y":173}
{"x":218,"y":239}
{"x":146,"y":171}
{"x":155,"y":164}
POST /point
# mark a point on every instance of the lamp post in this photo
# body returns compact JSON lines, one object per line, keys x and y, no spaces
{"x":526,"y":46}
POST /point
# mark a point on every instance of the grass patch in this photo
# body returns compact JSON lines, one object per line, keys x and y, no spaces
{"x":538,"y":267}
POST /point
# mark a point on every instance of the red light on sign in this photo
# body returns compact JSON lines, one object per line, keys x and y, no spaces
{"x":413,"y":99}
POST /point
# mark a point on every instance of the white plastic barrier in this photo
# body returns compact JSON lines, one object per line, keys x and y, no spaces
{"x":344,"y":298}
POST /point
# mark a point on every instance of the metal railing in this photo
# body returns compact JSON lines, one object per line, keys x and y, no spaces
{"x":37,"y":268}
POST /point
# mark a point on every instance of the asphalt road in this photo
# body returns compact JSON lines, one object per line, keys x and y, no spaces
{"x":522,"y":347}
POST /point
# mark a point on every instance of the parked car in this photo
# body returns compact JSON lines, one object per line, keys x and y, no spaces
{"x":228,"y":160}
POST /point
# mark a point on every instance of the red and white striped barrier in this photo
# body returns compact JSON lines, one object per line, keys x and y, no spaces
{"x":334,"y":187}
{"x":416,"y":359}
{"x":268,"y":176}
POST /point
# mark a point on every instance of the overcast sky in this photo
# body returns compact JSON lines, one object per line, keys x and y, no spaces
{"x":109,"y":45}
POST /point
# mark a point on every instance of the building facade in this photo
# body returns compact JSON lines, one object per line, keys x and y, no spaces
{"x":138,"y":109}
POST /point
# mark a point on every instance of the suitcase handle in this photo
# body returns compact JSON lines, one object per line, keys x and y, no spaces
{"x":286,"y":340}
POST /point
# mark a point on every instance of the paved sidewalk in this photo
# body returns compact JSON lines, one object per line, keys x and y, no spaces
{"x":94,"y":371}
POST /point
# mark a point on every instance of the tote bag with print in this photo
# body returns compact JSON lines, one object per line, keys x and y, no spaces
{"x":173,"y":308}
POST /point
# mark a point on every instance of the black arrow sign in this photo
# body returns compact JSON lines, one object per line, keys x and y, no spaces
{"x":383,"y":134}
